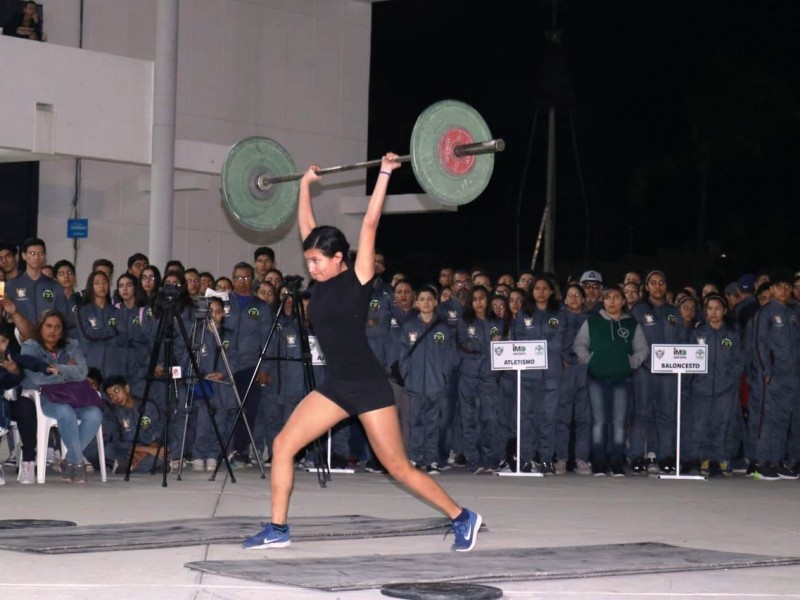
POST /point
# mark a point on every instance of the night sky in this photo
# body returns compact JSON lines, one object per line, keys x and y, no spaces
{"x":684,"y":118}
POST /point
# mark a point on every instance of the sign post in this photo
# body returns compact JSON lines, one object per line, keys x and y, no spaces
{"x":685,"y":358}
{"x":318,"y":358}
{"x":519,"y":355}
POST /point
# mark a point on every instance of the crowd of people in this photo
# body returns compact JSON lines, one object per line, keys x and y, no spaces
{"x":597,"y":408}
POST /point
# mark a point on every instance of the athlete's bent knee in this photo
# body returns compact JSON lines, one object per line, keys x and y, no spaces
{"x":282,"y":448}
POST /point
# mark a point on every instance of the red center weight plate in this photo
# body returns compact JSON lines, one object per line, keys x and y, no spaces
{"x":450,"y":180}
{"x":450,"y":162}
{"x":257,"y":209}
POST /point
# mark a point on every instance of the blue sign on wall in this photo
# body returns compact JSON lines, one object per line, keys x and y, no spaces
{"x":78,"y":228}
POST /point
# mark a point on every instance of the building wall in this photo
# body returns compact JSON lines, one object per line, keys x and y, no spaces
{"x":296,"y":71}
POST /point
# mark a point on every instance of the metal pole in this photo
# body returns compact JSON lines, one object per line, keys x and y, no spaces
{"x":550,"y":231}
{"x":162,"y":173}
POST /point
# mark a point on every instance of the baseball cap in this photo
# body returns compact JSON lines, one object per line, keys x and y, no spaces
{"x":592,"y":276}
{"x":732,"y":289}
{"x":747,"y":282}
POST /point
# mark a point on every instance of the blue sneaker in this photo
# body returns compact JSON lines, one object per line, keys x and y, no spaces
{"x":269,"y":537}
{"x":466,"y":532}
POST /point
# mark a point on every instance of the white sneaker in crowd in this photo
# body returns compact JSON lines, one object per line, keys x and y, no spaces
{"x":198,"y":464}
{"x":211,"y":465}
{"x":2,"y":477}
{"x":27,"y":473}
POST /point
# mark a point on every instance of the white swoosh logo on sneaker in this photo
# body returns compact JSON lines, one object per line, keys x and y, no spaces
{"x":469,"y":531}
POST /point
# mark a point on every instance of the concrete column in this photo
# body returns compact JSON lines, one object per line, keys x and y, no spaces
{"x":162,"y":174}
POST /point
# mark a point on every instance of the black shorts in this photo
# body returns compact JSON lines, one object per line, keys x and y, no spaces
{"x":357,"y":397}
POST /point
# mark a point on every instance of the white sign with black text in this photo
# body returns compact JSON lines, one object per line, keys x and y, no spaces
{"x":679,"y":359}
{"x":683,"y":358}
{"x":519,"y":355}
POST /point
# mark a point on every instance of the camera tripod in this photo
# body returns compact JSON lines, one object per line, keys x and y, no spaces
{"x":292,"y":283}
{"x":203,"y":322}
{"x":165,"y":335}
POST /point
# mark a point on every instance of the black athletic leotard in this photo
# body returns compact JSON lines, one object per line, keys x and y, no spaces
{"x":354,"y":378}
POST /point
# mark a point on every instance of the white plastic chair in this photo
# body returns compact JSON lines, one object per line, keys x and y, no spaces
{"x":43,"y":425}
{"x":11,"y":396}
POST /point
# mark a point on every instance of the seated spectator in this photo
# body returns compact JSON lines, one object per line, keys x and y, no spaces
{"x":78,"y":421}
{"x":22,"y":410}
{"x":25,"y":24}
{"x":127,"y":411}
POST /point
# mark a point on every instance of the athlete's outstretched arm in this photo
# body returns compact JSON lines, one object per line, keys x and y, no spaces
{"x":305,"y":213}
{"x":365,"y":255}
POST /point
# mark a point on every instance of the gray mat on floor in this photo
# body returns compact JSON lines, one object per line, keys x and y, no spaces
{"x":511,"y":564}
{"x":217,"y":530}
{"x":30,"y":523}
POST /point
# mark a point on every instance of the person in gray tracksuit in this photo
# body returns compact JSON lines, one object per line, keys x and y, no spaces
{"x":427,"y":356}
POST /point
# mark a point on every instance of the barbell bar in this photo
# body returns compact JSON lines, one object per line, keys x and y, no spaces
{"x":451,"y":154}
{"x":491,"y":147}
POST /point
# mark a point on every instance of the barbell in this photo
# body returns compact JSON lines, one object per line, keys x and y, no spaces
{"x":451,"y":154}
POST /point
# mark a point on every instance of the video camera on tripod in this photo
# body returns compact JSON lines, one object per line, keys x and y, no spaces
{"x":169,"y":292}
{"x":202,"y":306}
{"x":293,"y":282}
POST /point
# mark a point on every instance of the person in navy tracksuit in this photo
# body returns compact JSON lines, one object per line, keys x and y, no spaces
{"x":450,"y":435}
{"x":574,"y":404}
{"x":776,"y":339}
{"x":216,"y":388}
{"x":249,"y":322}
{"x":712,"y":397}
{"x":97,"y":319}
{"x":654,"y":397}
{"x":427,"y":356}
{"x":543,"y":319}
{"x":478,"y":390}
{"x":402,"y":309}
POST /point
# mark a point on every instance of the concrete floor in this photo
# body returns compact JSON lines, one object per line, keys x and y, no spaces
{"x":737,"y":514}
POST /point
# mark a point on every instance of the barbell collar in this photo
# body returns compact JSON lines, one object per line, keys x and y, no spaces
{"x":490,"y":147}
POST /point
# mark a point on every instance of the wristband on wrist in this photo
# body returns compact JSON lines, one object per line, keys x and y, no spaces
{"x":389,"y":173}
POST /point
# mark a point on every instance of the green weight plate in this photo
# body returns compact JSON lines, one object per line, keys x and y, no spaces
{"x":261,"y":210}
{"x":450,"y":180}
